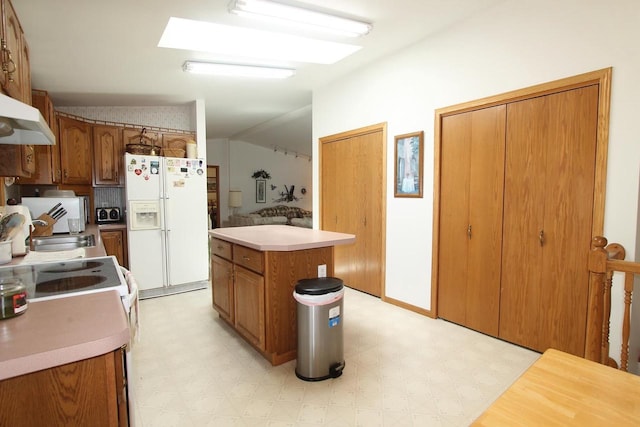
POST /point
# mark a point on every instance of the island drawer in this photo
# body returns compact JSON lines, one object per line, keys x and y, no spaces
{"x":221,"y":248}
{"x":248,"y":258}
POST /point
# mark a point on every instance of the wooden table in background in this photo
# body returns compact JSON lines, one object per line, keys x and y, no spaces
{"x":560,"y":389}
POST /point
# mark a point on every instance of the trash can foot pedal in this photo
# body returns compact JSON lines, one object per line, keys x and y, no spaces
{"x":335,"y":370}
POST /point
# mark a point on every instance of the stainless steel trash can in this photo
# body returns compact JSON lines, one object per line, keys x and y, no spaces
{"x":320,"y":320}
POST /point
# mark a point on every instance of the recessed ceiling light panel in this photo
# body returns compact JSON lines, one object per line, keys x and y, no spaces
{"x":244,"y":42}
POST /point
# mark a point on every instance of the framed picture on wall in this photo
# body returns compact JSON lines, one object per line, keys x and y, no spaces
{"x":408,"y":164}
{"x":261,"y":191}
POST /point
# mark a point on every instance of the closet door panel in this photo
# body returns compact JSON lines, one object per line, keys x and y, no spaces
{"x":353,"y":183}
{"x":485,"y":217}
{"x":337,"y":185}
{"x":454,"y":217}
{"x":371,"y":159}
{"x":524,"y":194}
{"x":568,"y":218}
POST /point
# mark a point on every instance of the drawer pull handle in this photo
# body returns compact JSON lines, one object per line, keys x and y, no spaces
{"x":246,"y":258}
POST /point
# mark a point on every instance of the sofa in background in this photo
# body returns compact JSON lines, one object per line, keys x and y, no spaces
{"x":280,"y":214}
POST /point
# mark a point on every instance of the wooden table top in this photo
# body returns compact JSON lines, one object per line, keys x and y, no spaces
{"x":560,"y":389}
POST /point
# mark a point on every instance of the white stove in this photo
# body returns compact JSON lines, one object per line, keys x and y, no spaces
{"x":59,"y":279}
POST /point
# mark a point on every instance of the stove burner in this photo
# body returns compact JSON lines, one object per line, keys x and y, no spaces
{"x":67,"y":267}
{"x":66,"y":284}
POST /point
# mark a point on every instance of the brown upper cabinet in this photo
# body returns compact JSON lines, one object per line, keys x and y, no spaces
{"x":15,"y":81}
{"x":17,"y":160}
{"x":141,"y":136}
{"x":47,"y":157}
{"x":108,"y":152}
{"x":75,"y":151}
{"x":176,"y":140}
{"x":16,"y":75}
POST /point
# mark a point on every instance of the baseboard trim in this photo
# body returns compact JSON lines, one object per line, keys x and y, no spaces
{"x":409,"y":307}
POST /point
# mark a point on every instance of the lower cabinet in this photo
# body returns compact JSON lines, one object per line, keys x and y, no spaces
{"x":90,"y":392}
{"x":253,"y":292}
{"x":222,"y":288}
{"x":115,"y":243}
{"x":249,"y":306}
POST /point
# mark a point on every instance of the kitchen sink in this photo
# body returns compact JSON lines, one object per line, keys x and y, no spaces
{"x":62,"y":243}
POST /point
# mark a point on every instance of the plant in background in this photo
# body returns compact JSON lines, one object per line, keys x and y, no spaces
{"x":261,"y":174}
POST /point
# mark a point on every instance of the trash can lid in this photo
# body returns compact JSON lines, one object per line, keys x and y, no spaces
{"x":319,"y":285}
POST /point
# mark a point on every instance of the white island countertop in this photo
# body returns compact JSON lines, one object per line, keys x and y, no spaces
{"x":281,"y":238}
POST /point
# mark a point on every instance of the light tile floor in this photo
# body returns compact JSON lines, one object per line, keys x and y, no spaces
{"x":402,"y":369}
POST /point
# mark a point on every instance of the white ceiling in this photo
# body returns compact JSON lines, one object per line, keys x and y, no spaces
{"x":104,"y":53}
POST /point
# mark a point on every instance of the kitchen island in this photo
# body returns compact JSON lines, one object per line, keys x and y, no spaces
{"x":254,"y":272}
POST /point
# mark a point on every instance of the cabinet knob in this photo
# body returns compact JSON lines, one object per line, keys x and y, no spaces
{"x":541,"y":237}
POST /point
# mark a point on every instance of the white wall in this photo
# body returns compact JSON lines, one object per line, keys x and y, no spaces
{"x":238,"y":161}
{"x":517,"y":44}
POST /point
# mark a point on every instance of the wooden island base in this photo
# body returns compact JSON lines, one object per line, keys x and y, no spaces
{"x":252,"y":289}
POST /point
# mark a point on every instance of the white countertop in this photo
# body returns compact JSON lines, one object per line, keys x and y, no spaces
{"x":281,"y":238}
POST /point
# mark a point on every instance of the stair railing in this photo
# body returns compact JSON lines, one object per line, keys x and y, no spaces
{"x":604,"y":261}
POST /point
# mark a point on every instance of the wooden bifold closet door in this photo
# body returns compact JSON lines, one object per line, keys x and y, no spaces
{"x":471,"y":177}
{"x":548,"y":213}
{"x":516,"y":213}
{"x":352,"y":201}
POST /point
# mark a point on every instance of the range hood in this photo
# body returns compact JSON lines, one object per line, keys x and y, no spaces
{"x":22,"y":124}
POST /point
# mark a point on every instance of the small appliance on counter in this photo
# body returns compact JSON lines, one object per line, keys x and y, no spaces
{"x":108,"y":215}
{"x":72,"y":207}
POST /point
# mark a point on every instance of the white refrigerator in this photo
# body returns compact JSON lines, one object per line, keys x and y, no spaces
{"x":167,"y":221}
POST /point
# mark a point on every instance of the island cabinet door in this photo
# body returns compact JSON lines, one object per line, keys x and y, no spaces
{"x":249,"y":306}
{"x":222,"y":287}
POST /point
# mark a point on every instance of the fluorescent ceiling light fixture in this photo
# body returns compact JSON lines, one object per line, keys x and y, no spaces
{"x":237,"y":70}
{"x":297,"y":15}
{"x":245,"y":42}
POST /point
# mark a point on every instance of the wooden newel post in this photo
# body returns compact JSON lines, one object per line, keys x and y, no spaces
{"x":595,"y":313}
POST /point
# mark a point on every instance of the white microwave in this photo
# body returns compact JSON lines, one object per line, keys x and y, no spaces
{"x":75,"y":207}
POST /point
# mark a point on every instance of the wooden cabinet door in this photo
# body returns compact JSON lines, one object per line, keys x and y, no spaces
{"x":17,"y":160}
{"x":115,"y":244}
{"x":176,"y":140}
{"x":140,"y":136}
{"x":471,"y":184}
{"x":25,"y":70}
{"x":47,"y":157}
{"x":75,"y":151}
{"x":548,"y":205}
{"x":12,"y":51}
{"x":108,"y":155}
{"x":222,"y":287}
{"x":249,"y":306}
{"x":82,"y":393}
